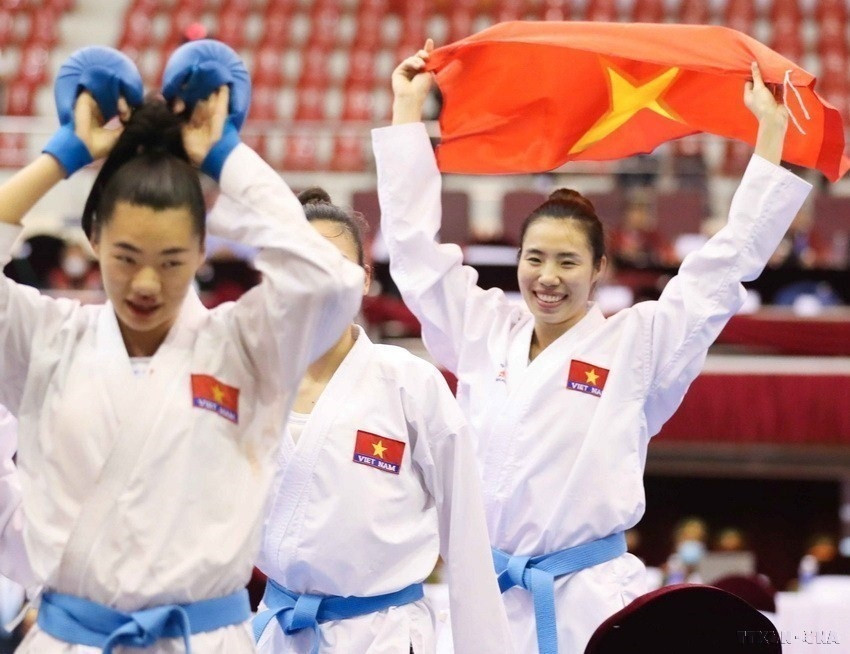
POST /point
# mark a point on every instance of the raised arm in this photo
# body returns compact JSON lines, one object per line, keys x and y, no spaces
{"x":698,"y":302}
{"x":309,"y":292}
{"x":444,"y":454}
{"x":437,"y":288}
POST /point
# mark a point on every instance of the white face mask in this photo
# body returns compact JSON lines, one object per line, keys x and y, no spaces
{"x":75,"y":266}
{"x":690,"y":551}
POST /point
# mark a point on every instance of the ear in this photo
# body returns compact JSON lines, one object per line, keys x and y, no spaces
{"x":368,"y":281}
{"x":94,"y":241}
{"x":600,"y":272}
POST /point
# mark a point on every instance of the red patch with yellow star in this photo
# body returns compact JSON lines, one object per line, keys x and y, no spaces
{"x":209,"y":393}
{"x":378,"y":452}
{"x":586,"y":378}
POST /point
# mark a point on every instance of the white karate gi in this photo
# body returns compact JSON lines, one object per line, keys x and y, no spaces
{"x":13,"y":556}
{"x":133,"y":497}
{"x":563,"y":467}
{"x":338,"y":527}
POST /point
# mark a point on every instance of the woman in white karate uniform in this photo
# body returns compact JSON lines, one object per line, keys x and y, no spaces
{"x":148,"y":426}
{"x":562,"y":401}
{"x":377,"y":477}
{"x":13,"y":556}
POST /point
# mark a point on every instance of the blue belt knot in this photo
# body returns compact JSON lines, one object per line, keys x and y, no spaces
{"x":537,"y":574}
{"x":295,"y":612}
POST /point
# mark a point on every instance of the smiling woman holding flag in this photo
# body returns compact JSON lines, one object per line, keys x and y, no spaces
{"x":562,"y":400}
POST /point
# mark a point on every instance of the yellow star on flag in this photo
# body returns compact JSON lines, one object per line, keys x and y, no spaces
{"x":627,"y":98}
{"x":592,"y":377}
{"x":218,"y":394}
{"x":379,"y":449}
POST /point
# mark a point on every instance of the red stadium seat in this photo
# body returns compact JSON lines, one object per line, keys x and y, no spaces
{"x":264,"y":103}
{"x":358,"y":104}
{"x":242,"y":7}
{"x":7,"y":28}
{"x":556,"y":10}
{"x":13,"y":150}
{"x":601,"y":10}
{"x":324,"y":21}
{"x":19,"y":98}
{"x":830,"y":10}
{"x":301,"y":152}
{"x":368,"y":35}
{"x":786,"y":38}
{"x":268,"y":67}
{"x":832,"y":38}
{"x":735,"y":158}
{"x":361,"y":68}
{"x":509,"y":10}
{"x":315,"y":69}
{"x":348,"y":153}
{"x":694,"y":12}
{"x":787,"y":9}
{"x":276,"y":29}
{"x":231,"y":28}
{"x":43,"y":29}
{"x":310,"y":103}
{"x":33,"y":66}
{"x":460,"y":24}
{"x":138,"y":30}
{"x":648,"y":11}
{"x":256,"y":141}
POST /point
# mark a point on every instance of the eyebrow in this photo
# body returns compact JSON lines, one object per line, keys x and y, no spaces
{"x":132,"y":248}
{"x":560,"y":255}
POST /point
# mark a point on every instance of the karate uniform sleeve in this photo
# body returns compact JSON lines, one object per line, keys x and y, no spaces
{"x":444,"y":454}
{"x":698,"y":302}
{"x":309,"y":292}
{"x":14,"y":563}
{"x":22,"y":311}
{"x":439,"y":290}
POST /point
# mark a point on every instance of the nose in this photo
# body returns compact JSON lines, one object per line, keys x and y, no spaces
{"x":146,"y":283}
{"x":549,"y":274}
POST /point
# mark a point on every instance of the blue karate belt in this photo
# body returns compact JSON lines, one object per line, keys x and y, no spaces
{"x":295,"y":612}
{"x":82,"y":622}
{"x":537,"y":574}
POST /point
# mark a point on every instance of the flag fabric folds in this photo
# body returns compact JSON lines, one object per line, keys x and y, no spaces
{"x":525,"y":97}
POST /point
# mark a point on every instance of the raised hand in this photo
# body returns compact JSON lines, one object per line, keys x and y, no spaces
{"x":89,"y":125}
{"x":411,"y":84}
{"x":206,"y":124}
{"x":771,"y":115}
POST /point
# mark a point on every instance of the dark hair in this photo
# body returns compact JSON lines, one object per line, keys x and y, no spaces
{"x":318,"y":206}
{"x":567,"y":204}
{"x":148,"y":166}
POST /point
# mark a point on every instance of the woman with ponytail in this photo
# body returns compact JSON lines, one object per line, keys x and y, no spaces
{"x":148,"y":426}
{"x":376,"y":479}
{"x":562,"y":400}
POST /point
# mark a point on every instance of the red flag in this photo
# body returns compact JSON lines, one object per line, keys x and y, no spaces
{"x":586,"y":378}
{"x":378,"y":451}
{"x":525,"y":97}
{"x":211,"y":394}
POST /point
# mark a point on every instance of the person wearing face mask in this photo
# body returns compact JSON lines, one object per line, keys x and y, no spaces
{"x":689,"y":537}
{"x":76,"y":271}
{"x":562,"y":400}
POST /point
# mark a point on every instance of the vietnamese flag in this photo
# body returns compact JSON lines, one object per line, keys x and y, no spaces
{"x":524,"y":97}
{"x":211,"y":394}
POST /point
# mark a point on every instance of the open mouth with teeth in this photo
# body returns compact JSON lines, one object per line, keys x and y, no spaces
{"x":549,"y":299}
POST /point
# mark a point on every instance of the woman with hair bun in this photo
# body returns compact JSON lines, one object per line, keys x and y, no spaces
{"x":148,"y":426}
{"x":563,"y":401}
{"x":376,"y":479}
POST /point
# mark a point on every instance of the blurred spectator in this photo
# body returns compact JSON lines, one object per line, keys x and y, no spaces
{"x":637,"y":242}
{"x":802,"y":246}
{"x":76,"y":270}
{"x":689,"y":540}
{"x":824,"y":548}
{"x":730,"y":539}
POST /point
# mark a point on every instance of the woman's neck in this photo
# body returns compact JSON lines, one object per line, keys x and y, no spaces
{"x":323,"y":368}
{"x":547,"y":333}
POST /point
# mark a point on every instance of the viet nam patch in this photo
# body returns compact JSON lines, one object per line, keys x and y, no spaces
{"x":378,"y":452}
{"x":586,"y":378}
{"x":209,"y":393}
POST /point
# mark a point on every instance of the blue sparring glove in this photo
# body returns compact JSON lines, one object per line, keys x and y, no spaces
{"x":196,"y":69}
{"x":105,"y":73}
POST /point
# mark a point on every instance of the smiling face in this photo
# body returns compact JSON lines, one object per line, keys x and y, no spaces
{"x":556,"y":273}
{"x":148,"y":259}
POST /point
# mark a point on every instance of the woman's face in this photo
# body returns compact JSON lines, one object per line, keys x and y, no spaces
{"x":556,"y":272}
{"x":148,"y":259}
{"x":344,"y":242}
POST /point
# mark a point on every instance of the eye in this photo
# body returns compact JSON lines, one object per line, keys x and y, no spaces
{"x":172,"y":264}
{"x":568,"y":264}
{"x":123,"y":258}
{"x":533,"y":259}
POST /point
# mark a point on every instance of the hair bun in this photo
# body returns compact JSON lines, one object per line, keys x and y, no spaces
{"x":314,"y":195}
{"x":571,"y":197}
